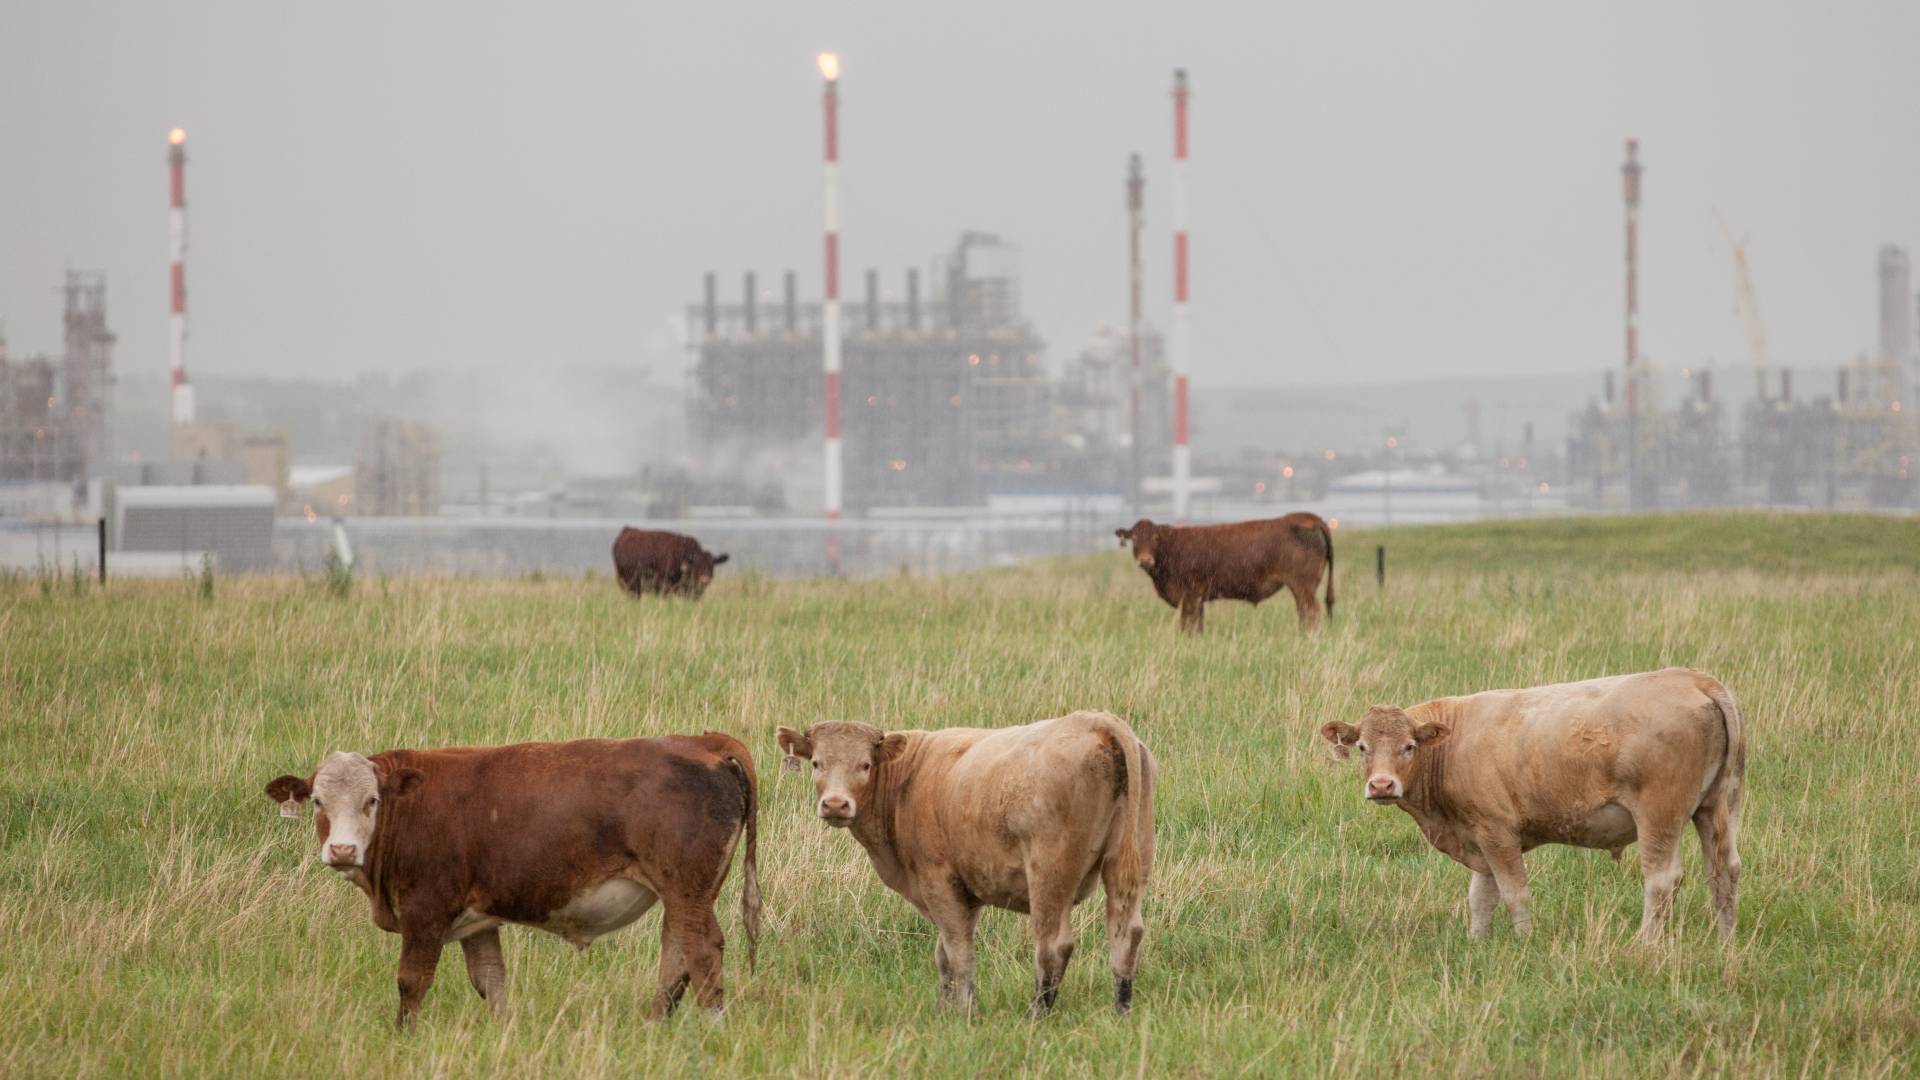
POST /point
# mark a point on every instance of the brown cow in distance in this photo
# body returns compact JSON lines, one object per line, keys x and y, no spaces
{"x":574,"y":838}
{"x":1248,"y":560}
{"x":1595,"y":764}
{"x":663,"y":563}
{"x":1024,"y":818}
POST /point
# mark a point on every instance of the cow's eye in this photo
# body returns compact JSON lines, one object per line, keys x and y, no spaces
{"x":816,"y":766}
{"x":373,"y":802}
{"x":1362,"y":747}
{"x":1407,"y":749}
{"x":866,"y":766}
{"x":317,"y":806}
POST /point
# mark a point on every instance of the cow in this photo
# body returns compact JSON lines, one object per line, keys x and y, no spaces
{"x":1248,"y":560}
{"x":663,"y":563}
{"x":574,"y":838}
{"x":1595,"y":764}
{"x":1024,"y":818}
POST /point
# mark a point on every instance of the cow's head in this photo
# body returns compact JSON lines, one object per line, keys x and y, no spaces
{"x":1145,"y":536}
{"x":346,"y":790}
{"x":695,"y":572}
{"x":1391,"y":745}
{"x":845,"y":756}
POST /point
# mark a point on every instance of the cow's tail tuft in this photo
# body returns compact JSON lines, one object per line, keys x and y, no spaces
{"x":742,"y":763}
{"x":1327,"y":535}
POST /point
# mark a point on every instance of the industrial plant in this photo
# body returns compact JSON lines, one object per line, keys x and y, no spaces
{"x":918,"y":420}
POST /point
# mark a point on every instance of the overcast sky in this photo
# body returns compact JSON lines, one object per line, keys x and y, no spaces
{"x":1378,"y":191}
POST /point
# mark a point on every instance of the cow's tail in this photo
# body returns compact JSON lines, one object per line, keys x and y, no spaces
{"x":1731,"y":782}
{"x":742,"y":763}
{"x":1125,"y":869}
{"x":1326,"y":534}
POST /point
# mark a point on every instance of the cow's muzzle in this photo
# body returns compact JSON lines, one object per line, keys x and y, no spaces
{"x":343,"y":856}
{"x":836,"y":810}
{"x":1383,"y":789}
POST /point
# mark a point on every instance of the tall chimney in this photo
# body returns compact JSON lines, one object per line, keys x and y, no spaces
{"x":712,"y":305}
{"x":792,"y":302}
{"x":873,"y":299}
{"x":750,"y":310}
{"x":913,"y":298}
{"x":1182,"y":454}
{"x":177,"y":241}
{"x":1896,"y":292}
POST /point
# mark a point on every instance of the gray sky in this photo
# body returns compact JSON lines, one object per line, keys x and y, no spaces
{"x":1378,"y":191}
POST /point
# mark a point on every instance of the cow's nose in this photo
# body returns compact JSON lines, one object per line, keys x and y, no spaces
{"x":341,"y":853}
{"x":1380,"y":785}
{"x":835,"y":804}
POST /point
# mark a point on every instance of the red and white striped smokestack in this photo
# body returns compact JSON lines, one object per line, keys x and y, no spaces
{"x":1182,"y":455}
{"x":1630,"y":177}
{"x":1630,"y":191}
{"x":177,"y":250}
{"x":830,"y":308}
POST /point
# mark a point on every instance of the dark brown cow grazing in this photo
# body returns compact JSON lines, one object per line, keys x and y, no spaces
{"x":1024,"y":818}
{"x":1248,"y":560}
{"x":575,"y":838}
{"x":666,"y":563}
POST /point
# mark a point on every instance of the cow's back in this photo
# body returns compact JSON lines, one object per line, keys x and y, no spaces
{"x":1568,"y":744}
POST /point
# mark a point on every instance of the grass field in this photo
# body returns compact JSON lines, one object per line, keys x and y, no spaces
{"x":157,"y":917}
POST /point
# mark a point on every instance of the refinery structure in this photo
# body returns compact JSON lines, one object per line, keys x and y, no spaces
{"x":927,"y":394}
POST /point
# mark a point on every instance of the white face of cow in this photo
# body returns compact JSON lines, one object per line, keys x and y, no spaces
{"x":845,"y":756}
{"x":345,"y":790}
{"x":346,"y":802}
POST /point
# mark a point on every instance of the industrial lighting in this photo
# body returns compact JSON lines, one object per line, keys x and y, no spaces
{"x":898,"y":464}
{"x":177,"y":136}
{"x":1543,"y":487}
{"x":1392,"y":442}
{"x":1330,"y":455}
{"x":974,"y":359}
{"x":829,"y":66}
{"x":1333,"y":523}
{"x":1287,"y":472}
{"x":1259,"y":487}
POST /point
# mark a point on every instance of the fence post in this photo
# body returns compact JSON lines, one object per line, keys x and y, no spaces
{"x":1380,"y":564}
{"x":103,"y":550}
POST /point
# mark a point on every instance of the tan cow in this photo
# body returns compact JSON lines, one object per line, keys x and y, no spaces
{"x":1024,"y":818}
{"x":1595,"y":764}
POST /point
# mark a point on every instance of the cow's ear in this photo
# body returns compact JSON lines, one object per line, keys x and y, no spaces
{"x":290,"y":792}
{"x":723,"y":557}
{"x":797,"y":746}
{"x":401,"y":781}
{"x":1342,"y":735}
{"x":1430,"y":732}
{"x":1124,"y":535}
{"x":890,"y":747}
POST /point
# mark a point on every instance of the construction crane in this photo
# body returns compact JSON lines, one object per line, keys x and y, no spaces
{"x":1748,"y":308}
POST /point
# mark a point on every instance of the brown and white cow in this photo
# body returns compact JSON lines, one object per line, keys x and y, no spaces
{"x":666,"y":563}
{"x":1248,"y":560}
{"x":575,"y":838}
{"x":1595,"y":764}
{"x":1025,"y":818}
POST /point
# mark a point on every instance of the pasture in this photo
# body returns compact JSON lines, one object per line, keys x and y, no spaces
{"x":157,"y":917}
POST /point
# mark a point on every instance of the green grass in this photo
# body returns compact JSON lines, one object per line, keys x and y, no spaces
{"x":157,"y":917}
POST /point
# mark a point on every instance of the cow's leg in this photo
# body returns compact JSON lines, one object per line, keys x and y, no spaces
{"x":1483,"y":895}
{"x":1659,"y":834}
{"x":1720,"y":855}
{"x":1308,"y":605}
{"x":486,"y":969}
{"x":673,"y":970}
{"x":1124,"y":930}
{"x":955,"y":919}
{"x":706,"y":950}
{"x":690,"y":954}
{"x":419,"y":956}
{"x":1510,"y":874}
{"x":1193,"y":616}
{"x":1050,"y":893}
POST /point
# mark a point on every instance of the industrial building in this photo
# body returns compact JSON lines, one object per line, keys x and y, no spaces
{"x":945,"y":397}
{"x":54,"y":413}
